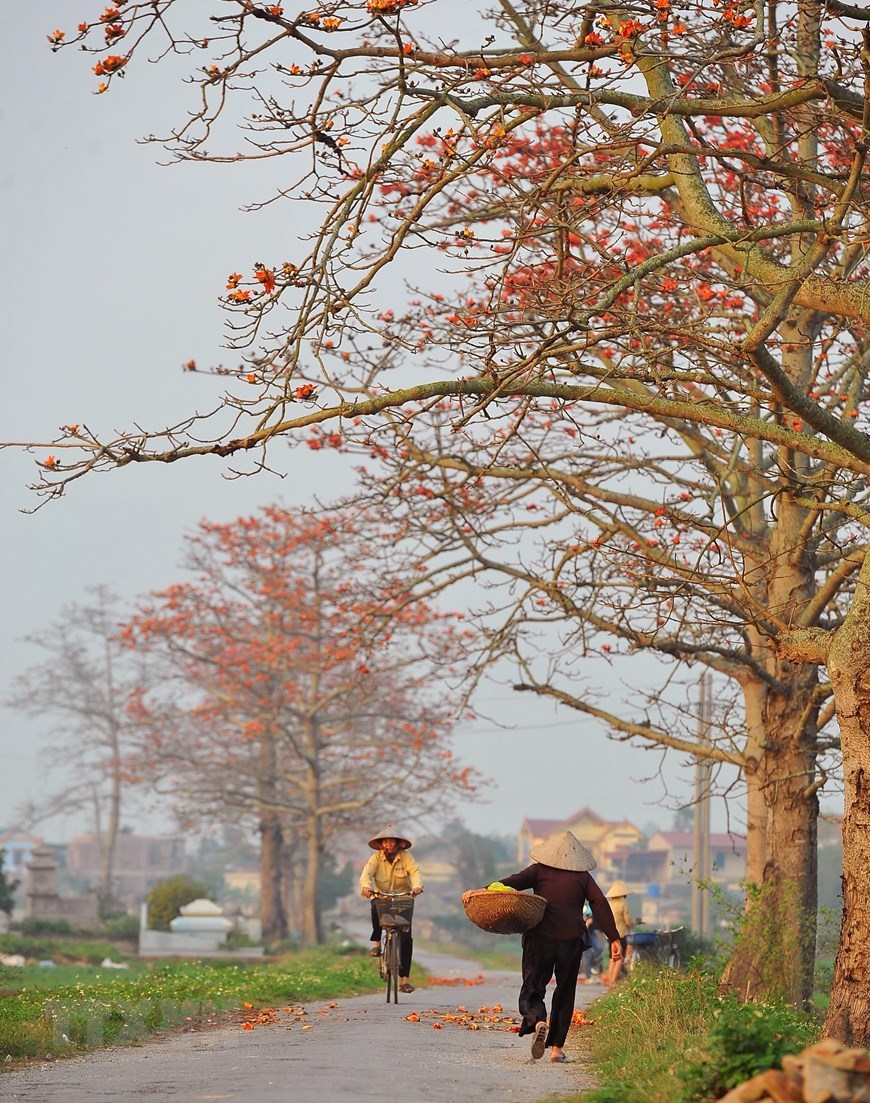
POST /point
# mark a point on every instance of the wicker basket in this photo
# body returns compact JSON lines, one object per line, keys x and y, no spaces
{"x":504,"y":912}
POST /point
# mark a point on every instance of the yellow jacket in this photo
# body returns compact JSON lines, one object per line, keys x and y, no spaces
{"x":400,"y":875}
{"x":621,"y":916}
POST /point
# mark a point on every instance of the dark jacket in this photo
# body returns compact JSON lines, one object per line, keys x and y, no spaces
{"x":565,"y":892}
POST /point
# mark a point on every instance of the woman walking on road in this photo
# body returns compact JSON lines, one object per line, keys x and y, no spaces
{"x":555,"y":946}
{"x":617,"y":894}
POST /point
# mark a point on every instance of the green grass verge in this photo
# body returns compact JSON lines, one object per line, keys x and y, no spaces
{"x":668,"y":1037}
{"x":61,"y":1011}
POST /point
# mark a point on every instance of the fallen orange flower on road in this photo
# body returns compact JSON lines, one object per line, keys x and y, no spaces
{"x":469,"y":982}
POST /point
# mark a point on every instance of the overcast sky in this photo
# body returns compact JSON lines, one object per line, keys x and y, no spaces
{"x":112,"y":267}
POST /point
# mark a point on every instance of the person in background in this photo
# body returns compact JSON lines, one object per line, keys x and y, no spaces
{"x":560,"y":874}
{"x":617,"y":895}
{"x":590,"y":963}
{"x":391,"y":869}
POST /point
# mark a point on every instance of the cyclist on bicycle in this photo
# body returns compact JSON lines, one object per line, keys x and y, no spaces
{"x":391,"y":869}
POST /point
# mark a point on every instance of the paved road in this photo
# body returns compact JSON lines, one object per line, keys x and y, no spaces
{"x":358,"y":1049}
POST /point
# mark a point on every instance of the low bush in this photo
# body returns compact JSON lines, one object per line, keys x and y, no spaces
{"x":31,"y":926}
{"x":744,"y":1039}
{"x":167,"y":898}
{"x":122,"y":926}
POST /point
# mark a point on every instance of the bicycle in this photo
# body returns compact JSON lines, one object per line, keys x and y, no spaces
{"x":657,"y":948}
{"x":395,"y":910}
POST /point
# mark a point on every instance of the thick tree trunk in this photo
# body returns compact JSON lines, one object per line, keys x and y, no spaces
{"x":780,"y":947}
{"x":312,"y":928}
{"x":108,"y":845}
{"x":775,"y":954}
{"x":792,"y":830}
{"x":848,"y":1017}
{"x":294,"y":879}
{"x":273,"y":918}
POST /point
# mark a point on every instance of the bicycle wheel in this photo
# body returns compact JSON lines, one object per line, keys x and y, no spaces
{"x":396,"y":966}
{"x":386,"y":972}
{"x":391,"y":965}
{"x":673,"y":959}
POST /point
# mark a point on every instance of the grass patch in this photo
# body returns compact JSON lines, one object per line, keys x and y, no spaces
{"x":46,"y":1011}
{"x":668,"y":1037}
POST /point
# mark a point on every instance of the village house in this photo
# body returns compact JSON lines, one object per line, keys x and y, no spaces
{"x":658,"y":870}
{"x":602,"y":837}
{"x":140,"y":862}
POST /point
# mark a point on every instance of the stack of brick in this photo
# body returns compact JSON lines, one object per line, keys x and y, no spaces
{"x":824,"y":1073}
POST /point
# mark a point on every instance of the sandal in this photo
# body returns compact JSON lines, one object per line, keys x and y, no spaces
{"x":539,"y":1042}
{"x":406,"y":987}
{"x":375,"y":951}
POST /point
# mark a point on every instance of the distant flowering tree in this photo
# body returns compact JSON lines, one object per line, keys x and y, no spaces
{"x":305,"y":689}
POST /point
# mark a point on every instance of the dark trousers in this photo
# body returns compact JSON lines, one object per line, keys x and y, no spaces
{"x":406,"y":943}
{"x":542,"y":958}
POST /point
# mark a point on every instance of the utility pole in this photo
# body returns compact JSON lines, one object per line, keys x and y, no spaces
{"x":701,"y":819}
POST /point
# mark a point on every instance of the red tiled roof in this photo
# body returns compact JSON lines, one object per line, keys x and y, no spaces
{"x":585,"y":814}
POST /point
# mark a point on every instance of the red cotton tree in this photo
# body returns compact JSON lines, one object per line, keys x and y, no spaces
{"x":588,"y":553}
{"x":304,"y":690}
{"x":665,"y":208}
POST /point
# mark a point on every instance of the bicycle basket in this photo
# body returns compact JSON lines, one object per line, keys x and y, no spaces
{"x":395,"y":911}
{"x":642,"y":938}
{"x":504,"y":912}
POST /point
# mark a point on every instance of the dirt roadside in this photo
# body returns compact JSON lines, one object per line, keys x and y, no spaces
{"x":359,"y":1049}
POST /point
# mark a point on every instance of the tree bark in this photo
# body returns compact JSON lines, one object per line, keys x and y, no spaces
{"x":848,"y":1018}
{"x":312,"y":932}
{"x":775,"y":953}
{"x":756,"y":809}
{"x":312,"y":927}
{"x":273,"y":918}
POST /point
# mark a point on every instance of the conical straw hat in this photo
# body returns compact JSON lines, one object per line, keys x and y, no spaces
{"x":390,"y":832}
{"x":617,"y":889}
{"x":562,"y":852}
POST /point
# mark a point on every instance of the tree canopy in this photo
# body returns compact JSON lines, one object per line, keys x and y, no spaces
{"x":655,"y":210}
